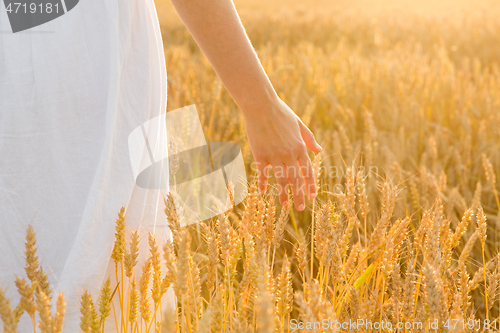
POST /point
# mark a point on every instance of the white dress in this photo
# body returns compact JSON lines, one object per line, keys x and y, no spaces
{"x":71,"y":92}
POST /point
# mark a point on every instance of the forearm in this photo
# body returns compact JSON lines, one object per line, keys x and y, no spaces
{"x":217,"y":29}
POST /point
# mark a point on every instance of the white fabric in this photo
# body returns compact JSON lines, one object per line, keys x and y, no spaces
{"x":71,"y":92}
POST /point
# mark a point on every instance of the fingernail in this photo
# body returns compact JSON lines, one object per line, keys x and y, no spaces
{"x":301,"y":207}
{"x":317,"y":144}
{"x":313,"y":195}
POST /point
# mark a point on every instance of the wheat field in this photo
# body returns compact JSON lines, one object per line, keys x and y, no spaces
{"x":404,"y":98}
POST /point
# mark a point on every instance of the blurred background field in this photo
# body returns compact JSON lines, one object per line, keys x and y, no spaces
{"x":411,"y":88}
{"x":404,"y":97}
{"x":426,"y":71}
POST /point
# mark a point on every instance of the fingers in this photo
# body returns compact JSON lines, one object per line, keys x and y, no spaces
{"x":262,"y":175}
{"x":295,"y":172}
{"x":308,"y":138}
{"x":297,"y":184}
{"x":282,"y":179}
{"x":308,"y":174}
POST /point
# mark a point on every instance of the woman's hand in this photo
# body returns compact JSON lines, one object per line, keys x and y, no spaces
{"x":278,"y":138}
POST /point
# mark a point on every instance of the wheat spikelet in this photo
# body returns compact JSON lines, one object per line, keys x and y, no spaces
{"x":388,"y":201}
{"x":96,"y":322}
{"x":301,"y":252}
{"x":479,"y":274}
{"x":468,"y":247}
{"x":243,"y":288}
{"x":213,"y":255}
{"x":43,"y":308}
{"x":247,"y":283}
{"x":488,"y":170}
{"x":456,"y":308}
{"x":354,"y":302}
{"x":346,"y":237}
{"x":31,"y":257}
{"x":230,"y":193}
{"x":173,"y":156}
{"x":425,"y":223}
{"x":248,"y":218}
{"x":492,"y":289}
{"x":171,"y":263}
{"x":408,"y":299}
{"x":217,"y":310}
{"x":259,"y":216}
{"x":363,"y":196}
{"x":270,"y":219}
{"x":183,"y":259}
{"x":284,"y":289}
{"x":345,"y":204}
{"x":134,"y":303}
{"x":156,"y":290}
{"x":476,"y":201}
{"x":143,"y":291}
{"x":27,"y":295}
{"x":394,"y":240}
{"x":463,"y":287}
{"x":132,"y":254}
{"x":57,"y":321}
{"x":227,"y":238}
{"x":195,"y":300}
{"x":322,"y":232}
{"x":281,"y":224}
{"x":262,"y":275}
{"x":397,"y":288}
{"x":433,"y":242}
{"x":460,"y":229}
{"x":43,"y":283}
{"x":231,"y":270}
{"x":333,"y":260}
{"x":481,"y":225}
{"x":172,"y":211}
{"x":318,"y":159}
{"x":7,"y":314}
{"x":433,"y":293}
{"x":119,"y":246}
{"x":259,"y":233}
{"x":86,"y":311}
{"x":350,"y":263}
{"x":105,"y":300}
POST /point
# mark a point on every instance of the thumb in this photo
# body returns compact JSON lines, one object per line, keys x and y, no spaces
{"x":308,"y":138}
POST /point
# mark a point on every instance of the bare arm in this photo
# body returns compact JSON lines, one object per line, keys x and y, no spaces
{"x":276,"y":135}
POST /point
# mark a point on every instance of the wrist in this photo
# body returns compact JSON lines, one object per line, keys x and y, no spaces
{"x":258,"y":104}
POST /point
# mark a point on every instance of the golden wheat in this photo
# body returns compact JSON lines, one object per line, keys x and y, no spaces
{"x":403,"y":97}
